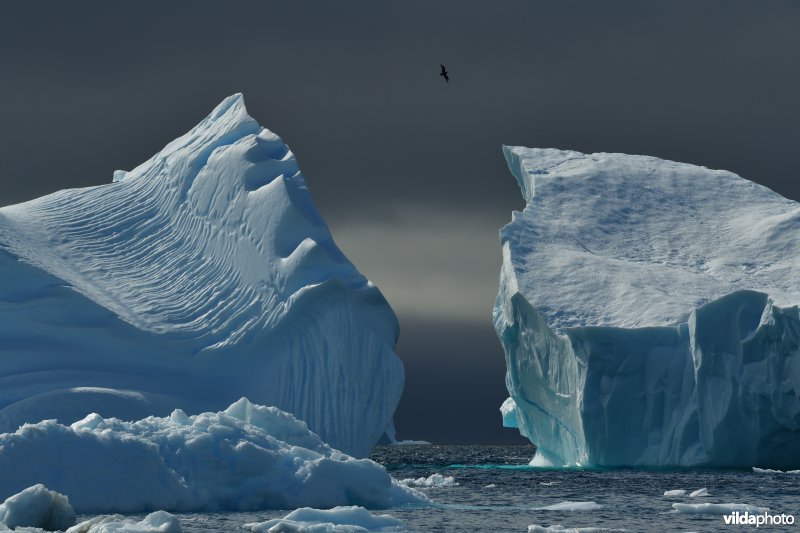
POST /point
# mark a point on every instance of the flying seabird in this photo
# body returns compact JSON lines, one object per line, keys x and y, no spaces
{"x":444,"y":74}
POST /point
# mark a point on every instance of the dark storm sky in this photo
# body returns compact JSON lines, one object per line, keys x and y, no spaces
{"x":406,"y":169}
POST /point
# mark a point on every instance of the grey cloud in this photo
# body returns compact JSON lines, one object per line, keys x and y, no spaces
{"x":429,"y":264}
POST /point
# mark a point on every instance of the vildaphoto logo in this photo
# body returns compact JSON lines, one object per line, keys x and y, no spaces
{"x":763,"y":519}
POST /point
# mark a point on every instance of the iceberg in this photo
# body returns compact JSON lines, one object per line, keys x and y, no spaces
{"x":648,"y":314}
{"x":203,"y":275}
{"x":245,"y":458}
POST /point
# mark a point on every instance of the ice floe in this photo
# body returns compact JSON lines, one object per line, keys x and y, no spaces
{"x":717,"y":508}
{"x":157,"y":522}
{"x":572,"y":506}
{"x":352,"y":519}
{"x":434,"y":480}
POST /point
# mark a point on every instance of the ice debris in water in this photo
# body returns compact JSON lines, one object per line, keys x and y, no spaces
{"x":771,"y":471}
{"x":699,"y":493}
{"x":434,"y":480}
{"x":572,"y":506}
{"x":337,"y":520}
{"x":648,"y":314}
{"x":675,"y":493}
{"x":717,"y":508}
{"x":247,"y":457}
{"x":36,"y":506}
{"x":558,"y":528}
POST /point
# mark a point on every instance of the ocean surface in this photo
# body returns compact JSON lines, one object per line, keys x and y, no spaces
{"x":497,"y":491}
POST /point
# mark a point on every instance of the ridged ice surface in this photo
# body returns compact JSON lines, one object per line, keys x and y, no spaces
{"x":202,"y":275}
{"x":647,"y":311}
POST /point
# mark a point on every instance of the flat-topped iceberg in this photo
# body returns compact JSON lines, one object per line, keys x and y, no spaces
{"x":648,"y":313}
{"x":202,"y":275}
{"x":245,"y":458}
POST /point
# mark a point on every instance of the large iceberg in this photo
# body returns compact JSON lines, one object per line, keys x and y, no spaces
{"x":202,"y":275}
{"x":648,"y":313}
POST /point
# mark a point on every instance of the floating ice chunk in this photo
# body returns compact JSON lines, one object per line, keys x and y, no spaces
{"x":675,"y":493}
{"x":434,"y":480}
{"x":699,"y":493}
{"x":717,"y":508}
{"x":558,"y":528}
{"x":767,"y":471}
{"x":771,"y":471}
{"x":36,"y":506}
{"x":648,"y":313}
{"x":572,"y":506}
{"x":339,"y":520}
{"x":490,"y":486}
{"x":247,"y":457}
{"x":157,"y":522}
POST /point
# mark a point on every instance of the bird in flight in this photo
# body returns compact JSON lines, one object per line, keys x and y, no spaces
{"x":444,"y":74}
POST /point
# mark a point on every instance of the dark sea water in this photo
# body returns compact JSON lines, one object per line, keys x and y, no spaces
{"x":497,"y":491}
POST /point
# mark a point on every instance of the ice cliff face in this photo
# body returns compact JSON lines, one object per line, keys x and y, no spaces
{"x":648,"y":313}
{"x":203,"y":275}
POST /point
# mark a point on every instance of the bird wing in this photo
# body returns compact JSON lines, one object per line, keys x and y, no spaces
{"x":443,"y":69}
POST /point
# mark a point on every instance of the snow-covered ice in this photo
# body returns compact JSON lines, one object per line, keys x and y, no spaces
{"x":717,"y":508}
{"x":36,"y":507}
{"x":248,"y":457}
{"x":675,"y":493}
{"x":699,"y":493}
{"x":648,"y":314}
{"x":157,"y":522}
{"x":434,"y":480}
{"x":200,"y":276}
{"x":337,"y":520}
